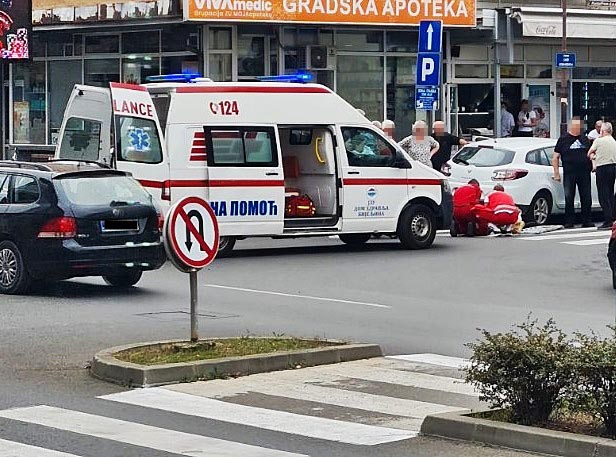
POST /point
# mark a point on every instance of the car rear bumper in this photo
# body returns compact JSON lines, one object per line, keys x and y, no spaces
{"x":52,"y":259}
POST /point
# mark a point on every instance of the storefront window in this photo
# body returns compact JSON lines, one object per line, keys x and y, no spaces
{"x":401,"y":93}
{"x":100,"y":72}
{"x":179,"y":64}
{"x":471,"y":71}
{"x":512,"y":71}
{"x":141,"y":42}
{"x":102,"y":44}
{"x":594,"y":100}
{"x":135,"y":70}
{"x":539,"y":71}
{"x":359,"y":41}
{"x":250,"y":55}
{"x":220,"y":38}
{"x":29,"y":103}
{"x":360,"y":82}
{"x":183,"y":37}
{"x":398,"y":41}
{"x":220,"y":67}
{"x":63,"y":75}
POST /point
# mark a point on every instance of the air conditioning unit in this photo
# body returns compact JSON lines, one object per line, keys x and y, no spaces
{"x":320,"y":58}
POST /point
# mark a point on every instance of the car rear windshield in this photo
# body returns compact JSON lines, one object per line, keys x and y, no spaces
{"x":103,"y":190}
{"x":483,"y":157}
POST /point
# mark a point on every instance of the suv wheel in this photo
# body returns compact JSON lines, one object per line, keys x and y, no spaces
{"x":14,"y":277}
{"x":417,"y":227}
{"x":123,"y":279}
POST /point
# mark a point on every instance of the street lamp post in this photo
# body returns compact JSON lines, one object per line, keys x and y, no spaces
{"x":564,"y":83}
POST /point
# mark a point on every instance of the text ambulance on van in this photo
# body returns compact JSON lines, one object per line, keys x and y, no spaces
{"x":253,"y":150}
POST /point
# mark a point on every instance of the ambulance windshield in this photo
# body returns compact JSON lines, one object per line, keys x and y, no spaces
{"x":137,"y":140}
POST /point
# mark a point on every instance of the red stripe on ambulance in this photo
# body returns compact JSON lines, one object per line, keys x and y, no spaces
{"x":392,"y":182}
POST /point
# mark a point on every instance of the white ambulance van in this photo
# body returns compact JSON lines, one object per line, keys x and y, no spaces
{"x":247,"y":148}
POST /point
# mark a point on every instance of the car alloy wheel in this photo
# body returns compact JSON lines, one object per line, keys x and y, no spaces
{"x":541,"y":210}
{"x":8,"y":267}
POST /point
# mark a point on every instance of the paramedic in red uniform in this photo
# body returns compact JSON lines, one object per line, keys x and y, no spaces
{"x":499,"y":211}
{"x":464,"y":199}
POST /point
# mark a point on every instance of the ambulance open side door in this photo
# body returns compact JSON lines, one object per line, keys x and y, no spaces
{"x":245,"y":178}
{"x":139,"y":147}
{"x":86,"y":127}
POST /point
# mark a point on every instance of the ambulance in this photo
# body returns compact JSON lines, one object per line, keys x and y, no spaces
{"x":273,"y":159}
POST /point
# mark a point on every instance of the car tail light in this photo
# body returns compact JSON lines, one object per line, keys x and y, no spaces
{"x":166,"y":191}
{"x":161,"y":221}
{"x":508,"y":174}
{"x":59,"y":227}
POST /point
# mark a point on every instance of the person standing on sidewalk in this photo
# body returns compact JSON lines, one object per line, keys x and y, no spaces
{"x":603,"y":154}
{"x":445,"y":141}
{"x":419,"y":146}
{"x":527,"y":120}
{"x":596,"y":132}
{"x":572,"y":148}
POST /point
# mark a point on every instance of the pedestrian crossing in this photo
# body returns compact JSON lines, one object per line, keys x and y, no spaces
{"x":573,"y":237}
{"x":366,"y":403}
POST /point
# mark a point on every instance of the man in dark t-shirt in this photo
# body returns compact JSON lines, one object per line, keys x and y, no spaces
{"x":446,"y":141}
{"x":572,"y":150}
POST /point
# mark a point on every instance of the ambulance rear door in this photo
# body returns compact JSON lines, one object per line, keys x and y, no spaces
{"x":245,"y":178}
{"x":86,"y":127}
{"x":138,"y":139}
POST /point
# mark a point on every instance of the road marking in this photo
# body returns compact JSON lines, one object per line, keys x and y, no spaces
{"x":586,"y":242}
{"x":146,"y":436}
{"x":403,"y":378}
{"x":564,"y":236}
{"x":319,"y":394}
{"x":267,"y":419}
{"x":13,"y":449}
{"x":304,"y":297}
{"x":433,"y":359}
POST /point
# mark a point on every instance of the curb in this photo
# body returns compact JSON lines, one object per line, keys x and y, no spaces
{"x":519,"y":437}
{"x":107,"y":368}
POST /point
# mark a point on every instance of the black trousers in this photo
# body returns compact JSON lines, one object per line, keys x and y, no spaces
{"x":606,"y":176}
{"x":524,"y":134}
{"x":577,"y":177}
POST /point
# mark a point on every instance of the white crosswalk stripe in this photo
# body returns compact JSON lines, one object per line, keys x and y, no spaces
{"x":573,"y":237}
{"x":362,"y":403}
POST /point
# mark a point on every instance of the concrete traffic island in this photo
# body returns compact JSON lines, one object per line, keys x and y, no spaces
{"x":464,"y":427}
{"x":108,"y":366}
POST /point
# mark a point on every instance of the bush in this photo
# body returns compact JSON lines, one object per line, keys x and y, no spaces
{"x":525,"y":370}
{"x":594,"y":369}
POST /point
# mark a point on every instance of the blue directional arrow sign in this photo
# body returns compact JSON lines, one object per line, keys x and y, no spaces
{"x":428,"y":69}
{"x":430,"y":36}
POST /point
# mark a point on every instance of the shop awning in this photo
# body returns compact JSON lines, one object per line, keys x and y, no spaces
{"x":547,"y":22}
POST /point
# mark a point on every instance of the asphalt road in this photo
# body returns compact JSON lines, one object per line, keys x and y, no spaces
{"x":410,"y":302}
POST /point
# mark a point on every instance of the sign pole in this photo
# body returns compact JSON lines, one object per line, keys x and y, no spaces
{"x":194,"y":306}
{"x":564,"y":83}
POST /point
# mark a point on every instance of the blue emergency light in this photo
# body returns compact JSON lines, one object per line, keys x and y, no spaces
{"x":298,"y":77}
{"x":173,"y":78}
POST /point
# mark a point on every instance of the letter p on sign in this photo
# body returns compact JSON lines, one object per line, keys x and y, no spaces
{"x":428,"y":69}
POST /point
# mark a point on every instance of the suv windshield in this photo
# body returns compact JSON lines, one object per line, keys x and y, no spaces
{"x":483,"y":157}
{"x":103,"y":190}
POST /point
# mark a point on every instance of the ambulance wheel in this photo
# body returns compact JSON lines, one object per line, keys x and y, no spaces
{"x":417,"y":227}
{"x":225,"y":246}
{"x":355,"y":239}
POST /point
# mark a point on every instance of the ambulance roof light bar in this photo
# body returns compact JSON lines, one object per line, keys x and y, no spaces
{"x":297,"y":77}
{"x":177,"y":78}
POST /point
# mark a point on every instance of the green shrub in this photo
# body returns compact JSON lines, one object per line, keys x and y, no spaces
{"x":525,"y":370}
{"x":594,"y":389}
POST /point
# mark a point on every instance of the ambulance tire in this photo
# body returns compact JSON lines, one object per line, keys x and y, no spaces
{"x":225,"y":246}
{"x":453,"y":230}
{"x":355,"y":239}
{"x":417,"y":227}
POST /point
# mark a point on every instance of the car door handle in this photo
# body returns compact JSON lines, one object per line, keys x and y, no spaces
{"x":271,"y":173}
{"x":353,"y":172}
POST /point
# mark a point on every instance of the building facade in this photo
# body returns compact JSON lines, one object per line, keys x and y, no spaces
{"x":493,"y":52}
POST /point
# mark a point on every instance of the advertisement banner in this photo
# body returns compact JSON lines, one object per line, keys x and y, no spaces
{"x":456,"y":13}
{"x":539,"y":101}
{"x":15,"y":27}
{"x":69,"y":11}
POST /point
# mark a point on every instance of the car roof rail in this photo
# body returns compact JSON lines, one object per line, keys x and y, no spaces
{"x":25,"y":165}
{"x":81,"y":161}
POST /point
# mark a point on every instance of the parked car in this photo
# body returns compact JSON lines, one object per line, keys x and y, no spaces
{"x":523,"y":166}
{"x":67,"y":219}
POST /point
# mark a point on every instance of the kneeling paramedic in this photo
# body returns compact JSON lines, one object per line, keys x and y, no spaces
{"x":499,"y":212}
{"x":464,"y":199}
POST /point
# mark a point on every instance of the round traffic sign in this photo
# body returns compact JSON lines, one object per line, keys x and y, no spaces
{"x":191,"y":234}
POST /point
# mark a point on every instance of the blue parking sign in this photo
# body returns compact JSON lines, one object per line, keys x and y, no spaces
{"x":428,"y":69}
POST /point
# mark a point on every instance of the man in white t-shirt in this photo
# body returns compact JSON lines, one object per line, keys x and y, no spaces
{"x":596,"y":132}
{"x":527,"y":120}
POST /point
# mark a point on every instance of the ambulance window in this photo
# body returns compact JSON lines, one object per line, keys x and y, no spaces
{"x":81,"y":139}
{"x":366,"y":148}
{"x":250,"y":146}
{"x":300,"y":137}
{"x":137,"y":140}
{"x":161,"y":105}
